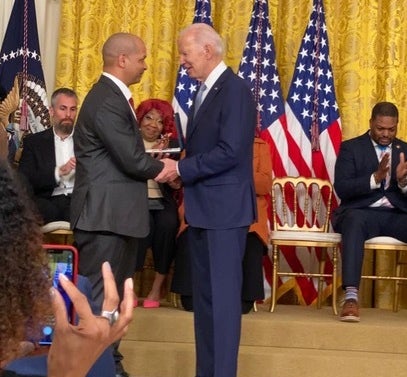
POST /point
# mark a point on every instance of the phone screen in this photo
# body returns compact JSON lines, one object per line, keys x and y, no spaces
{"x":62,"y":259}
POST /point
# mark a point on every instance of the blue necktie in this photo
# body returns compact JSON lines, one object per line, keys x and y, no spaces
{"x":199,"y":97}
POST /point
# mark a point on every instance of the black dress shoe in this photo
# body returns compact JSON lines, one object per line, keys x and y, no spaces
{"x":186,"y":302}
{"x":247,"y":306}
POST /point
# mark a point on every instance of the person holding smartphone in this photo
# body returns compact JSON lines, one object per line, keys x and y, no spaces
{"x":157,"y":127}
{"x":26,"y":294}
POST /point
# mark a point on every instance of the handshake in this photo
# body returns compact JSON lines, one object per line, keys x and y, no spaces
{"x":169,"y":174}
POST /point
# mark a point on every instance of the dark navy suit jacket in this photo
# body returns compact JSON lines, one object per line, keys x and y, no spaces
{"x":218,"y":170}
{"x":357,"y":161}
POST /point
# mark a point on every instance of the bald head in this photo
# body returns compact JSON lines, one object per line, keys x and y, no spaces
{"x":124,"y":57}
{"x":117,"y":44}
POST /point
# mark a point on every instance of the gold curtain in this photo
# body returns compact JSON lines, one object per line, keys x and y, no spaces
{"x":367,"y":40}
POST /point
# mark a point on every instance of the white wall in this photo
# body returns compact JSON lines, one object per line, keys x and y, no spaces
{"x":48,"y":15}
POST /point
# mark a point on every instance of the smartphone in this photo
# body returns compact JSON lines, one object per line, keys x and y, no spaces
{"x":61,"y":259}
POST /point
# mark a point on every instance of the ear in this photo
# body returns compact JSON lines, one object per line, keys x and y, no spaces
{"x":121,"y":60}
{"x":208,"y":51}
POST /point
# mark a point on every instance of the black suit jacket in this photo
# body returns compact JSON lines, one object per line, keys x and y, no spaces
{"x":112,"y":168}
{"x":357,"y":161}
{"x":38,"y":162}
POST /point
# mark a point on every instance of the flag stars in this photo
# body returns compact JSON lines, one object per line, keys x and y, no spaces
{"x":305,"y":113}
{"x":262,"y":92}
{"x":263,"y":78}
{"x":303,"y":53}
{"x":192,"y":87}
{"x":274,"y":94}
{"x":298,"y":82}
{"x":267,"y":48}
{"x":180,"y":87}
{"x":252,"y":76}
{"x":327,"y":89}
{"x":275,"y":79}
{"x":265,"y":63}
{"x":325,"y":103}
{"x":323,"y":118}
{"x":301,"y":67}
{"x":295,"y":97}
{"x":307,"y":98}
{"x":254,"y":61}
{"x":272,"y":109}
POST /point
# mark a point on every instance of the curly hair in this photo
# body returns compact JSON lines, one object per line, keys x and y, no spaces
{"x":24,"y":277}
{"x":166,"y":111}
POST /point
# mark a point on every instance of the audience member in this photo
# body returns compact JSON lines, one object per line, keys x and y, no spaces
{"x":156,"y":118}
{"x":219,"y":196}
{"x":109,"y":207}
{"x":371,"y":181}
{"x":256,"y":243}
{"x":26,"y":294}
{"x":48,"y":162}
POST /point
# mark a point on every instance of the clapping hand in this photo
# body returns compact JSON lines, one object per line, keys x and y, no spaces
{"x":401,"y":171}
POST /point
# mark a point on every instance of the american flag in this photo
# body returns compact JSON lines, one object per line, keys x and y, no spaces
{"x":20,"y":57}
{"x":313,"y":120}
{"x":311,"y":107}
{"x":287,"y":145}
{"x":186,"y":87}
{"x":258,"y":67}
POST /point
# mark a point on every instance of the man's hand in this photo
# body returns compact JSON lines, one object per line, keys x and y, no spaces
{"x":401,"y":171}
{"x":68,"y":167}
{"x":383,"y":168}
{"x":169,"y":172}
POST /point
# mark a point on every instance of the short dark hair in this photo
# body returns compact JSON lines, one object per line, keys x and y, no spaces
{"x":66,"y":91}
{"x":385,"y":109}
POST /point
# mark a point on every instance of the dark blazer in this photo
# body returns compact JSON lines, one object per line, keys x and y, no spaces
{"x":110,"y":192}
{"x":220,"y":204}
{"x":357,"y":161}
{"x":37,"y":162}
{"x":218,"y":170}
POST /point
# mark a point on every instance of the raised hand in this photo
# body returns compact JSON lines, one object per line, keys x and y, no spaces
{"x":75,"y":348}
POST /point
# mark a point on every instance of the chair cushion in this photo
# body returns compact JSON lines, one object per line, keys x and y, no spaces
{"x":56,"y":225}
{"x":305,"y":236}
{"x":385,"y":240}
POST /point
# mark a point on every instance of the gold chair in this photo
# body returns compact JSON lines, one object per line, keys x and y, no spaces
{"x":301,"y":214}
{"x":392,"y":245}
{"x":58,"y":232}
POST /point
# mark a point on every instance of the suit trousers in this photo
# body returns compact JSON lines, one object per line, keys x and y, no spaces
{"x":358,"y":225}
{"x":54,"y":208}
{"x":253,"y":280}
{"x":97,"y":247}
{"x":216,"y":257}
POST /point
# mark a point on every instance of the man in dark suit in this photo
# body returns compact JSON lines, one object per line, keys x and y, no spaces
{"x":371,"y":181}
{"x":219,"y":197}
{"x":48,"y":162}
{"x":109,"y":208}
